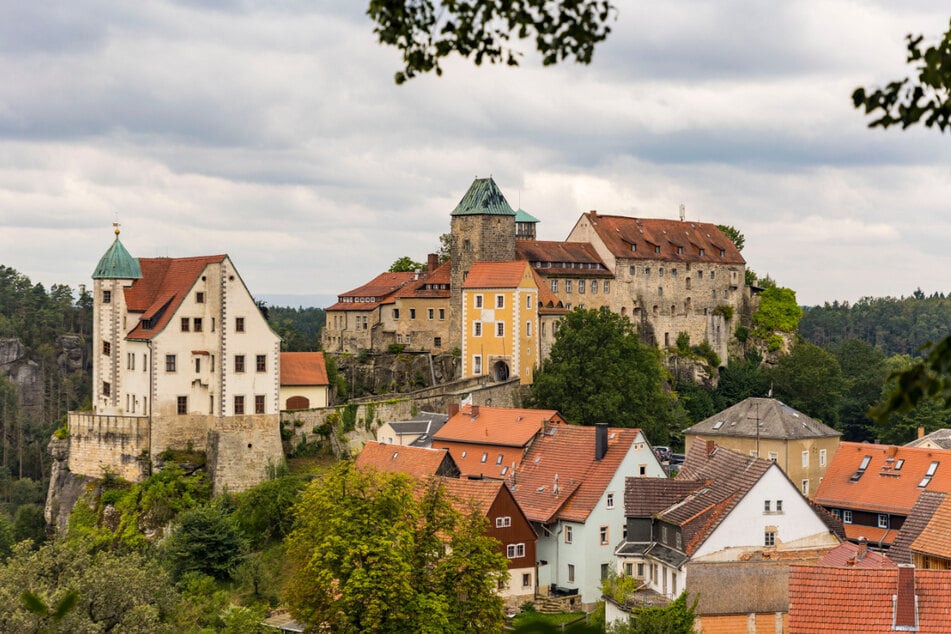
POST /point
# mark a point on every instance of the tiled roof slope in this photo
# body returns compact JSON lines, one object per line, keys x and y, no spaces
{"x":940,"y":437}
{"x":483,"y":198}
{"x":415,"y":461}
{"x":935,"y":538}
{"x":556,"y":254}
{"x":620,"y":232}
{"x":500,"y":426}
{"x":471,"y":495}
{"x":495,"y":274}
{"x":645,"y":496}
{"x":928,"y":502}
{"x":846,"y":554}
{"x":380,"y":288}
{"x":567,"y":451}
{"x":303,"y":368}
{"x":859,"y":600}
{"x":727,"y":477}
{"x":776,"y":421}
{"x":548,"y":302}
{"x":164,"y":284}
{"x":418,"y":288}
{"x":882,"y":488}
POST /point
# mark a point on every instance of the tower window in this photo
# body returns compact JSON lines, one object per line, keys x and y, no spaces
{"x":239,"y":324}
{"x":107,"y":297}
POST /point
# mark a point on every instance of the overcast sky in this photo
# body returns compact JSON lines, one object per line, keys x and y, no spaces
{"x":273,"y":131}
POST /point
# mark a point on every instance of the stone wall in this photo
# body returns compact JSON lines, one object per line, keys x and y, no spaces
{"x":119,"y":443}
{"x":187,"y":431}
{"x":240,"y":449}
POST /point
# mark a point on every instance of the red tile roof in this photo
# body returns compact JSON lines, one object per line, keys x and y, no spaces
{"x":882,"y":488}
{"x":860,"y":600}
{"x":418,"y":288}
{"x":472,"y":494}
{"x":548,"y":302}
{"x":928,"y":502}
{"x":620,"y":232}
{"x":874,"y":534}
{"x":501,"y":426}
{"x":935,"y":539}
{"x":565,"y":456}
{"x":846,"y":554}
{"x":496,"y":274}
{"x":415,"y":461}
{"x":377,"y":291}
{"x":303,"y":368}
{"x":554,"y":256}
{"x":164,"y":284}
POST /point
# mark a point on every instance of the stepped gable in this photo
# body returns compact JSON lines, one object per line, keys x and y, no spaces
{"x":928,"y":502}
{"x":640,"y":238}
{"x":303,"y":368}
{"x":568,"y":452}
{"x":417,"y":462}
{"x":643,"y":497}
{"x":377,"y":291}
{"x":495,"y":274}
{"x":165,"y":283}
{"x":577,"y":259}
{"x":483,"y":198}
{"x":776,"y":421}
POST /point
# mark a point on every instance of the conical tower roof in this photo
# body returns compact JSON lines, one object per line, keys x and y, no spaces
{"x":117,"y":264}
{"x":483,"y":198}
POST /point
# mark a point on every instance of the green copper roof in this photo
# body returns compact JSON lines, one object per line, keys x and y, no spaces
{"x":483,"y":199}
{"x":117,"y":264}
{"x":523,"y":216}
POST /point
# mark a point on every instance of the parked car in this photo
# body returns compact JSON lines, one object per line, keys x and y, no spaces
{"x":662,"y":453}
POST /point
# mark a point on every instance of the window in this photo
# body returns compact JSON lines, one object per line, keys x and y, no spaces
{"x":182,"y":405}
{"x":604,"y":571}
{"x":660,"y":290}
{"x":185,"y":322}
{"x":610,"y":500}
{"x":170,"y":363}
{"x":431,"y":313}
{"x":259,"y":404}
{"x":437,"y":342}
{"x":660,"y":271}
{"x":197,"y":325}
{"x":239,"y":324}
{"x":569,"y":537}
{"x":603,"y":535}
{"x":477,"y":364}
{"x":769,"y":538}
{"x":106,"y":388}
{"x":106,"y":348}
{"x":239,"y":363}
{"x":554,"y":286}
{"x":642,"y":470}
{"x":399,"y":338}
{"x":478,"y":301}
{"x":805,"y":487}
{"x":846,"y":516}
{"x":500,"y":329}
{"x":767,"y":506}
{"x":773,"y":456}
{"x":261,"y":363}
{"x":499,"y":459}
{"x":412,"y":313}
{"x":571,"y":573}
{"x":805,"y":459}
{"x":929,"y":474}
{"x":779,"y":506}
{"x":631,"y":270}
{"x":640,"y":570}
{"x":442,"y":314}
{"x":528,"y":302}
{"x":477,"y":329}
{"x":503,"y":522}
{"x":606,"y":287}
{"x":581,"y":286}
{"x":238,"y":405}
{"x":197,"y":365}
{"x":594,"y":287}
{"x":898,"y":463}
{"x":673,"y":582}
{"x":526,"y":579}
{"x":514,"y":551}
{"x":528,"y":329}
{"x":199,"y":297}
{"x":500,"y":301}
{"x":107,"y":297}
{"x":485,"y":456}
{"x":396,"y":313}
{"x":822,"y":457}
{"x":567,"y":286}
{"x":882,"y":520}
{"x":656,"y":249}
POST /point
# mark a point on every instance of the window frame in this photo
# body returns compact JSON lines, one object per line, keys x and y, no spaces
{"x":181,"y":405}
{"x":260,"y":363}
{"x":239,"y":324}
{"x":238,"y":404}
{"x":260,"y":403}
{"x":239,"y":364}
{"x":171,"y":363}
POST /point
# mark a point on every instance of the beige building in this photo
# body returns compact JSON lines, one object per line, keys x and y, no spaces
{"x":765,"y":427}
{"x":304,"y":383}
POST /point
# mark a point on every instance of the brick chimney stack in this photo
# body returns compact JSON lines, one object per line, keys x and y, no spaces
{"x":432,"y":262}
{"x":906,"y":604}
{"x":473,"y":410}
{"x":863,"y":549}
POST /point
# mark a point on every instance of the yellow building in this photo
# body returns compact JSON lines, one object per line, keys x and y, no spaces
{"x":500,"y":321}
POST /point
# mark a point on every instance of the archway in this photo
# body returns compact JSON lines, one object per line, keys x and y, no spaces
{"x":298,"y":402}
{"x":500,"y":371}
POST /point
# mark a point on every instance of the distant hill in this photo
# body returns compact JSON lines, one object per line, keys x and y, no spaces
{"x":298,"y":301}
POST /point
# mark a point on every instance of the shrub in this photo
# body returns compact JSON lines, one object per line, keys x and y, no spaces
{"x":396,"y":348}
{"x":62,"y":432}
{"x":742,"y":334}
{"x":725,"y":311}
{"x":683,"y":342}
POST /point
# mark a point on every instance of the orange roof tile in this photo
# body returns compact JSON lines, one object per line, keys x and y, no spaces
{"x":501,"y":426}
{"x":303,"y":368}
{"x":557,"y":258}
{"x":423,"y":287}
{"x":860,"y":600}
{"x":472,"y":494}
{"x":548,"y":302}
{"x":846,"y":554}
{"x":874,"y":534}
{"x":619,"y":233}
{"x":418,"y":462}
{"x":935,"y":539}
{"x":882,"y":488}
{"x":495,"y":274}
{"x":164,"y":284}
{"x":928,"y":502}
{"x":567,"y":451}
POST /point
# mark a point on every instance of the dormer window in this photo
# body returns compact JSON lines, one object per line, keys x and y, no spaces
{"x":633,"y":247}
{"x":722,"y":252}
{"x":656,"y":249}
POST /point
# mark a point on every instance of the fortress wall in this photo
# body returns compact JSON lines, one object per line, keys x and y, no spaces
{"x":118,"y":443}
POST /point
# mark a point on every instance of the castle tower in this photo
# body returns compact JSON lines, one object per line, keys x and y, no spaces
{"x":525,"y":225}
{"x":483,"y":230}
{"x":116,"y":270}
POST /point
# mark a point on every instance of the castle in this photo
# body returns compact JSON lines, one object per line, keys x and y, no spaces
{"x":182,"y":360}
{"x":667,"y":276}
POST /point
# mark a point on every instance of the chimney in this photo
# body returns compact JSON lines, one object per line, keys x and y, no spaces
{"x":906,"y":604}
{"x":600,"y":440}
{"x":921,"y":431}
{"x":711,"y":447}
{"x":594,"y":213}
{"x":473,"y":410}
{"x":453,"y":409}
{"x":432,"y":262}
{"x":863,"y":549}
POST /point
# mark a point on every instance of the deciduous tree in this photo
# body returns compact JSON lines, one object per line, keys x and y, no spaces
{"x":405,"y":264}
{"x":810,"y":380}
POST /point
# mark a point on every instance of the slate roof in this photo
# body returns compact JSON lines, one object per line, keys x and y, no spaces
{"x":303,"y":368}
{"x":117,"y":264}
{"x":620,"y":232}
{"x":940,"y":437}
{"x":776,"y":421}
{"x":846,"y":554}
{"x":483,"y":198}
{"x":645,"y":496}
{"x":567,"y":451}
{"x":882,"y":488}
{"x":860,"y":600}
{"x":577,"y":259}
{"x":379,"y":290}
{"x":164,"y":284}
{"x":496,"y":274}
{"x":928,"y":502}
{"x":415,"y":461}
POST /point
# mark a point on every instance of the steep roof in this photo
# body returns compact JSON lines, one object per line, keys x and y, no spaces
{"x":940,"y":437}
{"x":496,"y":274}
{"x":577,"y":259}
{"x":303,"y":368}
{"x":472,"y":494}
{"x":935,"y":538}
{"x":548,"y":302}
{"x":483,"y":198}
{"x":429,"y":285}
{"x":373,"y":293}
{"x":847,"y":554}
{"x":501,"y":426}
{"x":776,"y":421}
{"x":117,"y":264}
{"x":645,"y":496}
{"x":415,"y":461}
{"x":860,"y":600}
{"x":882,"y":487}
{"x":165,"y":282}
{"x":700,"y":241}
{"x":523,"y":216}
{"x":921,"y":513}
{"x":565,"y":456}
